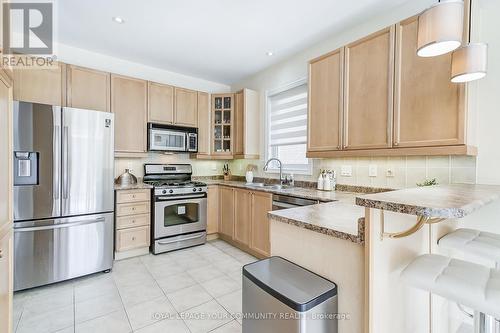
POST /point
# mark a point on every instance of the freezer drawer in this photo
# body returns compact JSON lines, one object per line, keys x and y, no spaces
{"x":49,"y":251}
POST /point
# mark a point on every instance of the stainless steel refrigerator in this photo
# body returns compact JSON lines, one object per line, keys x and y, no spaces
{"x":63,"y":193}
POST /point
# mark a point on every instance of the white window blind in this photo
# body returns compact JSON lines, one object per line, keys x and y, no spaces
{"x":287,"y":127}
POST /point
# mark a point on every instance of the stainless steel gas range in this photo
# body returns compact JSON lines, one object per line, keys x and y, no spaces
{"x":179,"y":207}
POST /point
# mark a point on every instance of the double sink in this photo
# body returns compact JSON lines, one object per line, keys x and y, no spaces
{"x":269,"y":186}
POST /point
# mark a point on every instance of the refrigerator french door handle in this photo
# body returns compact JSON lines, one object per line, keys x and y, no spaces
{"x":65,"y":172}
{"x":59,"y":226}
{"x":57,"y":163}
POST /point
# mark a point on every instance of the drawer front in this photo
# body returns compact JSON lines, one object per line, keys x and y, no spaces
{"x":132,"y":221}
{"x":133,"y":238}
{"x":126,"y":196}
{"x":132,"y":208}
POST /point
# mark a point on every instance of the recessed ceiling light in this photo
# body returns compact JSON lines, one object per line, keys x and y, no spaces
{"x":118,"y":19}
{"x":269,"y":53}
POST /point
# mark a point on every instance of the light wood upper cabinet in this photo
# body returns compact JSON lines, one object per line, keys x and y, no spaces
{"x":262,"y":203}
{"x":246,"y":124}
{"x":186,"y":107}
{"x":325,"y":102}
{"x":45,"y":86}
{"x":368,"y":91}
{"x":429,"y":109}
{"x":242,"y":215}
{"x":129,"y":104}
{"x":160,"y":103}
{"x":88,"y":89}
{"x":239,"y":123}
{"x":226,"y":226}
{"x":213,"y":209}
{"x":204,"y":123}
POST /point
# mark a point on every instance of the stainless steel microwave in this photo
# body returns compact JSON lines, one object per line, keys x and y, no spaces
{"x":172,"y":138}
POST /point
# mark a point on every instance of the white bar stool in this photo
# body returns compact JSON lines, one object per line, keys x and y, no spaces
{"x":475,"y":242}
{"x":472,"y":285}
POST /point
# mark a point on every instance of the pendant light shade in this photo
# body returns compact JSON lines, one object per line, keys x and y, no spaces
{"x":440,"y":28}
{"x":468,"y":63}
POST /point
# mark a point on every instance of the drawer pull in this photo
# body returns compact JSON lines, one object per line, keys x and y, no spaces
{"x":1,"y":254}
{"x":133,"y":196}
{"x":133,"y":208}
{"x":133,"y":238}
{"x":133,"y":221}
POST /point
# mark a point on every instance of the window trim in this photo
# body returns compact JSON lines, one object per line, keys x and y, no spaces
{"x":268,"y":94}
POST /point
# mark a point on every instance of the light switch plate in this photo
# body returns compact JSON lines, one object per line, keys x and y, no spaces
{"x":372,"y":170}
{"x":346,"y":170}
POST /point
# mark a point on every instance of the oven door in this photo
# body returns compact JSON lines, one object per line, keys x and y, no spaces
{"x":167,"y":140}
{"x":180,"y":215}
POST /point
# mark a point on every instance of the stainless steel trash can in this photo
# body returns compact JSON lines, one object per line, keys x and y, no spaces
{"x":280,"y":296}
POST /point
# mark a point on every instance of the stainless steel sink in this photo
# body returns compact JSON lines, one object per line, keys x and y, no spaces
{"x":268,"y":186}
{"x":256,"y":185}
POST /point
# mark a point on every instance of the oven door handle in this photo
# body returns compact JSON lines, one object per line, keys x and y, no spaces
{"x":180,"y":240}
{"x":163,"y":199}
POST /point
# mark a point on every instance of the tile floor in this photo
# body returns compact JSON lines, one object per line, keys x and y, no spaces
{"x":194,"y":290}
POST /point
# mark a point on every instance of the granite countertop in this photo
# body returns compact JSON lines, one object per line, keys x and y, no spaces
{"x":338,"y":219}
{"x":307,"y":193}
{"x":441,"y":201}
{"x":139,"y":186}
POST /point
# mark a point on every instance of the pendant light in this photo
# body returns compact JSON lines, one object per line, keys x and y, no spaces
{"x":440,"y":28}
{"x":469,"y":62}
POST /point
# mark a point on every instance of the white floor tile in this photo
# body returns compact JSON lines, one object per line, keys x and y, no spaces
{"x":166,"y":326}
{"x":115,"y":322}
{"x":49,"y":321}
{"x":176,"y":282}
{"x":159,"y":270}
{"x":189,"y":297}
{"x":221,"y":285}
{"x":205,"y":273}
{"x":147,"y":313}
{"x":232,"y":327}
{"x":41,"y":303}
{"x":139,"y":293}
{"x":100,"y":285}
{"x":206,"y":317}
{"x":132,"y":278}
{"x":193,"y":263}
{"x":97,"y":307}
{"x":229,"y":265}
{"x":232,"y":303}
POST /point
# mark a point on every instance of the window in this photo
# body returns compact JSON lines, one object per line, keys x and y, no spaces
{"x":287,"y":128}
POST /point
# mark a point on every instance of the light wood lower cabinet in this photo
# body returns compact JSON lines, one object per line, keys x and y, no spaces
{"x":6,"y":282}
{"x":129,"y":104}
{"x":243,"y":219}
{"x":132,"y":221}
{"x":242,"y":215}
{"x":213,"y":209}
{"x":226,"y":223}
{"x":262,"y":203}
{"x":88,"y":88}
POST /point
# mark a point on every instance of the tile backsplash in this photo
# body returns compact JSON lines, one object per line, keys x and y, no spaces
{"x":200,"y":168}
{"x":391,"y":172}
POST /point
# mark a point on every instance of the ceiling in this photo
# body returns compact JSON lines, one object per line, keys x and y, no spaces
{"x":218,"y":40}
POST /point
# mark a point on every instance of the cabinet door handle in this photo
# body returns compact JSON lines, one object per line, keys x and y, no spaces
{"x":133,"y":196}
{"x":396,"y":143}
{"x":1,"y":253}
{"x":133,"y":238}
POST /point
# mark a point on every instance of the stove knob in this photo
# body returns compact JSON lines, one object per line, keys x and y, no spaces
{"x":194,"y":190}
{"x":164,"y":192}
{"x":199,"y":190}
{"x":171,"y":191}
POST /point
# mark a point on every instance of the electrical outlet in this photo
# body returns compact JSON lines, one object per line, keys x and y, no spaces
{"x":346,"y":171}
{"x":372,"y":170}
{"x":389,"y":172}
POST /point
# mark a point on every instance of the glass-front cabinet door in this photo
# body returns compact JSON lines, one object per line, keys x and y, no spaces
{"x":222,"y":124}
